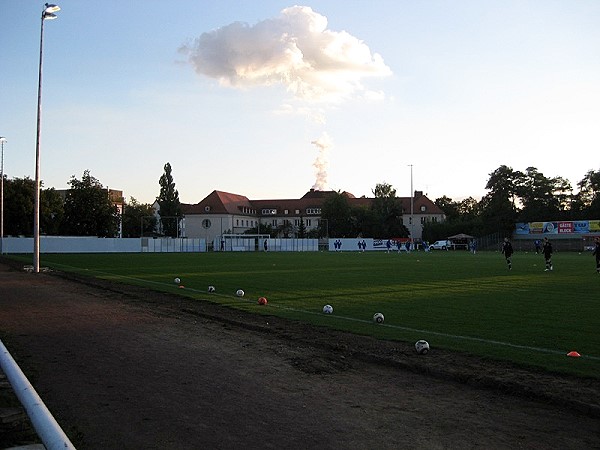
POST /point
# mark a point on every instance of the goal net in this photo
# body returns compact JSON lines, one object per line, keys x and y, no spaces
{"x":241,"y":242}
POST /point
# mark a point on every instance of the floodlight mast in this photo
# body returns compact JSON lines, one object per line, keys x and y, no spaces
{"x":412,"y":201}
{"x":2,"y":141}
{"x":47,"y":14}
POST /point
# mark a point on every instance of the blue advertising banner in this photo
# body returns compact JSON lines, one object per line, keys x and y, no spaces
{"x":562,"y":227}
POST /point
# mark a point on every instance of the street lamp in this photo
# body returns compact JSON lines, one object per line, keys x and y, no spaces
{"x":2,"y":141}
{"x":47,"y":14}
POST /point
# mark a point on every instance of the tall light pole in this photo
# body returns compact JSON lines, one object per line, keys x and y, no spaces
{"x":47,"y":14}
{"x":2,"y":141}
{"x":412,"y":202}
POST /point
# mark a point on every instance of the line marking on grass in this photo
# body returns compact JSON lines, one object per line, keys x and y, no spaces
{"x":437,"y":333}
{"x":354,"y":319}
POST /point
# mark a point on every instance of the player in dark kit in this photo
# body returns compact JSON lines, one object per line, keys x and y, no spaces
{"x":507,"y":250}
{"x":597,"y":253}
{"x":547,"y":250}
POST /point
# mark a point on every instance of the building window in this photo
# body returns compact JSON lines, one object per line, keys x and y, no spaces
{"x":268,"y":211}
{"x":206,"y":223}
{"x":237,"y":222}
{"x":274,"y":222}
{"x":286,"y":211}
{"x":423,"y":208}
{"x":207,"y":208}
{"x":297,"y":222}
{"x":313,"y":210}
{"x":297,"y":211}
{"x":308,"y":224}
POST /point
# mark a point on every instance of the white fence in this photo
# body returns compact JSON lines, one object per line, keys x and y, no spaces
{"x":173,"y":245}
{"x":66,"y":244}
{"x":360,"y":244}
{"x":251,"y":244}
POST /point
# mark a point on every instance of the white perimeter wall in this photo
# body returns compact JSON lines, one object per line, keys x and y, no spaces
{"x":351,"y":245}
{"x":273,"y":245}
{"x":61,"y":244}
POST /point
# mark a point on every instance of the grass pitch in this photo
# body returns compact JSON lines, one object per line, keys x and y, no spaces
{"x":455,"y":300}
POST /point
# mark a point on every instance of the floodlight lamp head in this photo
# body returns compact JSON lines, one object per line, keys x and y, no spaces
{"x":2,"y":139}
{"x":49,"y":8}
{"x":49,"y":16}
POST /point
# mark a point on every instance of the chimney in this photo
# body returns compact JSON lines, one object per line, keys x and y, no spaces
{"x":418,"y":194}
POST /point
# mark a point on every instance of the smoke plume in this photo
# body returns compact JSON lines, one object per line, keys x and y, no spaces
{"x":321,"y":164}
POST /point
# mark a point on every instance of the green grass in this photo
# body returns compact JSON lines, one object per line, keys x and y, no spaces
{"x":454,"y":300}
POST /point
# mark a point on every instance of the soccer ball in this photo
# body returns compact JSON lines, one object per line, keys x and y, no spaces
{"x":239,"y":293}
{"x":328,"y":309}
{"x":422,"y":347}
{"x":262,"y":301}
{"x":176,"y":281}
{"x":211,"y":289}
{"x":378,"y":318}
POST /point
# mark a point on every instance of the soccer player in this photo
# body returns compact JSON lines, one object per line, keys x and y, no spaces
{"x":597,"y":253}
{"x":507,"y":250}
{"x":547,"y":250}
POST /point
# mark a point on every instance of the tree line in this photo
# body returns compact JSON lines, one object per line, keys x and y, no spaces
{"x":513,"y":196}
{"x":86,"y":209}
{"x":516,"y":196}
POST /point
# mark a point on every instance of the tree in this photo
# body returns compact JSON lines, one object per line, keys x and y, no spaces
{"x":168,"y":201}
{"x":285,"y":229}
{"x":387,"y":213}
{"x":588,"y":199}
{"x":362,"y":220}
{"x":449,"y":207}
{"x":499,"y":206}
{"x":18,"y":208}
{"x":264,"y":228}
{"x":138,"y":219}
{"x":461,"y":217}
{"x":88,"y":209}
{"x":542,"y":197}
{"x":51,"y":212}
{"x":337,"y":212}
{"x":301,"y":230}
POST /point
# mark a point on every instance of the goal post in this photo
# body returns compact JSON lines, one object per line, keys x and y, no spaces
{"x":241,"y":242}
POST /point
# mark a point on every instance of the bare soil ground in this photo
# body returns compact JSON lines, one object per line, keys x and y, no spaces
{"x":123,"y":367}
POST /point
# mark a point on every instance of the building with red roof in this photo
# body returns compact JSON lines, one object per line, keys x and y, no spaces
{"x":226,"y":213}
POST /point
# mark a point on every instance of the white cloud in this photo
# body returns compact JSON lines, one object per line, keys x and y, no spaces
{"x":294,"y":49}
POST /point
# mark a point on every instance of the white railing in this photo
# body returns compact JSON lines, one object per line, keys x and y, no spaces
{"x":42,"y":420}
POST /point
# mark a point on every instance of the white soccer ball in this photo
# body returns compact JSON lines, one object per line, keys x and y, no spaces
{"x":239,"y":293}
{"x":378,"y":318}
{"x":422,"y":347}
{"x":328,"y":309}
{"x":211,"y":289}
{"x":176,"y":281}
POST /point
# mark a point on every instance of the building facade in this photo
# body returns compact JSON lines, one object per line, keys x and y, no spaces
{"x":226,"y":213}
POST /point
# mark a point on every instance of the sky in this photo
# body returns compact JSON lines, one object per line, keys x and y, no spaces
{"x":269,"y":99}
